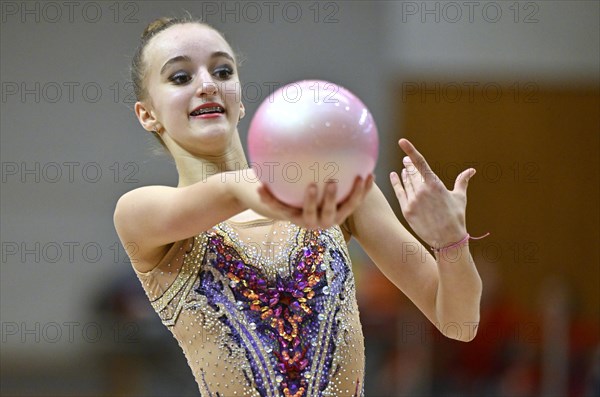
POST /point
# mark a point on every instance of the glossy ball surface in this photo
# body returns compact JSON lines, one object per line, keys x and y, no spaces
{"x":311,"y":131}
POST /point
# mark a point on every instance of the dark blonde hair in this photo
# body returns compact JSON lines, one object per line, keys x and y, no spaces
{"x":138,"y":67}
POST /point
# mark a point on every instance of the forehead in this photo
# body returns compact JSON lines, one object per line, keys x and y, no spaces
{"x":191,"y":39}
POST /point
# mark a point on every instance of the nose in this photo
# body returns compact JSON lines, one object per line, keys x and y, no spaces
{"x":207,"y":85}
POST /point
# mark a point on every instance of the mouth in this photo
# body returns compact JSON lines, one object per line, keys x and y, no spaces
{"x":208,"y":110}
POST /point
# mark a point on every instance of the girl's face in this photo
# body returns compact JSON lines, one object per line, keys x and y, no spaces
{"x":188,"y":66}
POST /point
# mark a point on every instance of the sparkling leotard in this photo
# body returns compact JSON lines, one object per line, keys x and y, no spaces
{"x":263,"y":308}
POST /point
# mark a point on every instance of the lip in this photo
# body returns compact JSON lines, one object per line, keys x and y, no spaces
{"x":208,"y":116}
{"x":208,"y":105}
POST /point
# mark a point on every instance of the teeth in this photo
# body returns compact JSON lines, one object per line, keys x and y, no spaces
{"x":207,"y":110}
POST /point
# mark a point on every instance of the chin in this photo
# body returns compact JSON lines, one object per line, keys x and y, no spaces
{"x":212,"y":140}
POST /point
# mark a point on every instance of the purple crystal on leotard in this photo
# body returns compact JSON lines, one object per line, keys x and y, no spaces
{"x":282,"y":314}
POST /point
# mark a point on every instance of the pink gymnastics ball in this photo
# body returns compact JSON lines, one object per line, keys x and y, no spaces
{"x":311,"y":131}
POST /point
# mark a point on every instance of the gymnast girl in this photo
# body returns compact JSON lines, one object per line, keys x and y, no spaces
{"x":260,"y":295}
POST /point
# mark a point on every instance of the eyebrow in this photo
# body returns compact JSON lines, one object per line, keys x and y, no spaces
{"x":185,"y":58}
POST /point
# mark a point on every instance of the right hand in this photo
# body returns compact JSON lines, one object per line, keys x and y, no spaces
{"x":314,"y":215}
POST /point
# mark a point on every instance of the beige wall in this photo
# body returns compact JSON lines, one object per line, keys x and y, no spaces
{"x":535,"y":190}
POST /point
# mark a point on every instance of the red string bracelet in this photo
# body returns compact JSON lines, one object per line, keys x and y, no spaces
{"x":464,"y":240}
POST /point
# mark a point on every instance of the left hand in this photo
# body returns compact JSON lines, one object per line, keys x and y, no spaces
{"x":436,"y":214}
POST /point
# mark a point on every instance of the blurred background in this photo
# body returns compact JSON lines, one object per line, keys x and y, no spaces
{"x":510,"y":88}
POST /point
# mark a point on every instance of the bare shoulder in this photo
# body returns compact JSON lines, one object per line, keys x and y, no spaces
{"x":140,"y":194}
{"x":152,"y":218}
{"x":139,"y":204}
{"x":133,"y":217}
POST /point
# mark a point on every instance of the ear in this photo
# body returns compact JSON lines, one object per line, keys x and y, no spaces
{"x":242,"y":110}
{"x":147,"y":118}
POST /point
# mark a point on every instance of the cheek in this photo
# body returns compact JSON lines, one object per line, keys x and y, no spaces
{"x":180,"y":99}
{"x":232,"y":92}
{"x":176,"y":102}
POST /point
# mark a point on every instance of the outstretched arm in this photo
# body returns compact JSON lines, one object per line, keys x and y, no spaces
{"x":447,"y":289}
{"x":149,"y":218}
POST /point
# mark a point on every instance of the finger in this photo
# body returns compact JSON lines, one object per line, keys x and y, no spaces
{"x":462,"y":180}
{"x":369,"y":184}
{"x":346,"y":207}
{"x":329,"y":205}
{"x":414,"y":176}
{"x":266,"y":196}
{"x":417,"y":159}
{"x":309,"y":213}
{"x":398,"y":189}
{"x":269,"y":199}
{"x":407,"y":183}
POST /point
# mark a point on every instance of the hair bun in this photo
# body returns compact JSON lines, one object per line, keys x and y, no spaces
{"x":156,"y":25}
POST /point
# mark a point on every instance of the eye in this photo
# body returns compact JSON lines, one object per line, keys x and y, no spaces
{"x":180,"y":78}
{"x":223,"y":72}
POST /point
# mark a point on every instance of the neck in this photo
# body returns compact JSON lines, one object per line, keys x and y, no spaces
{"x":193,"y":168}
